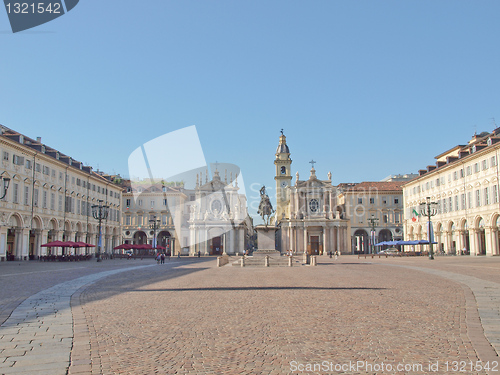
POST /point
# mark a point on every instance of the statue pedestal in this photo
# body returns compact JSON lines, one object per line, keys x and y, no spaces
{"x":266,"y":241}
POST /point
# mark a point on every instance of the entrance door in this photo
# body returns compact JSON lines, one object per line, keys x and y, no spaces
{"x":314,"y":245}
{"x":216,"y":246}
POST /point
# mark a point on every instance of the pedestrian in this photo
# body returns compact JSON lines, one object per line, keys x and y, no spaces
{"x":162,"y":258}
{"x":158,"y":258}
{"x":336,"y":254}
{"x":199,"y":253}
{"x":330,"y":252}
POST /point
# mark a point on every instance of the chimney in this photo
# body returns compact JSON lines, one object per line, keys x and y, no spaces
{"x":39,"y":139}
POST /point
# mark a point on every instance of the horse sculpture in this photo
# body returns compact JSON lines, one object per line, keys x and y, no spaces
{"x":265,"y":207}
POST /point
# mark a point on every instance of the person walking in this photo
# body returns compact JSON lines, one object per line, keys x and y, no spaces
{"x":162,"y":261}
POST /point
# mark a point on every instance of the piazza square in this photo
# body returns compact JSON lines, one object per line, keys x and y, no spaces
{"x":249,"y":187}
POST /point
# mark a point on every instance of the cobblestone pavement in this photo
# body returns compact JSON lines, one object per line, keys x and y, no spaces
{"x":352,"y":316}
{"x":231,"y":320}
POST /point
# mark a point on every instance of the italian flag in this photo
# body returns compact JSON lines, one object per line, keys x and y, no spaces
{"x":414,"y":218}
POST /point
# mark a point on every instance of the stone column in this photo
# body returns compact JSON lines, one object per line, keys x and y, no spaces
{"x":38,"y":242}
{"x":495,"y":242}
{"x":325,"y":247}
{"x":192,"y":240}
{"x":474,"y":242}
{"x":205,"y":242}
{"x":18,"y":244}
{"x":337,"y":237}
{"x":305,"y":240}
{"x":489,"y":241}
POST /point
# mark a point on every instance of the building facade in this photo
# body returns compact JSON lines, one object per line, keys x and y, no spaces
{"x":372,"y":207}
{"x":49,"y":198}
{"x":211,"y":219}
{"x":306,"y":211}
{"x":464,"y":184}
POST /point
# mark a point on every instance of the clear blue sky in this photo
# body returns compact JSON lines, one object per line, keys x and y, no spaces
{"x":366,"y":88}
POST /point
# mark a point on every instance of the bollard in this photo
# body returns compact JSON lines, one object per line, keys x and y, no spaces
{"x":290,"y":262}
{"x":242,"y":261}
{"x":218,"y":261}
{"x":266,"y":261}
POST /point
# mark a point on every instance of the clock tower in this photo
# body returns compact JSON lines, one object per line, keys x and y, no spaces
{"x":283,"y":179}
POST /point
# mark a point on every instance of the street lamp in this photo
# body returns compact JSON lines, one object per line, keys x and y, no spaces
{"x":154,"y":224}
{"x":100,"y":212}
{"x":6,"y":182}
{"x":429,"y":209}
{"x":373,"y":221}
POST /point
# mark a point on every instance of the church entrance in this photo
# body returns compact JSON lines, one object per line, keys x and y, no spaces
{"x":217,"y":246}
{"x":315,"y":246}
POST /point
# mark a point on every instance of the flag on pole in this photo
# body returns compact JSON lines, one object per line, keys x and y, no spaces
{"x":414,"y":218}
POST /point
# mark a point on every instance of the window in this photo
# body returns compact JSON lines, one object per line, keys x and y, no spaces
{"x":84,"y":208}
{"x":478,"y":198}
{"x":35,"y":197}
{"x":384,"y":200}
{"x":396,"y":200}
{"x":26,"y":195}
{"x":457,"y":207}
{"x":314,"y":205}
{"x":15,"y":193}
{"x":484,"y":164}
{"x":28,"y":164}
{"x":445,"y":208}
{"x":60,"y":176}
{"x":127,"y":220}
{"x":127,"y":203}
{"x":165,"y":202}
{"x":5,"y":155}
{"x":495,"y":193}
{"x":469,"y":198}
{"x":78,"y":207}
{"x":455,"y":176}
{"x":98,"y":189}
{"x":60,"y":203}
{"x":461,"y":173}
{"x":18,"y":160}
{"x":450,"y":203}
{"x":360,"y":200}
{"x":493,"y":161}
{"x":139,"y":202}
{"x":463,"y":202}
{"x":386,"y":219}
{"x":78,"y":182}
{"x":476,"y":167}
{"x":152,"y":203}
{"x":372,"y":200}
{"x":53,"y":173}
{"x":437,"y":181}
{"x":486,"y":196}
{"x":38,"y":167}
{"x":52,"y":201}
{"x":46,"y":170}
{"x":469,"y":171}
{"x":396,"y":217}
{"x":44,"y":199}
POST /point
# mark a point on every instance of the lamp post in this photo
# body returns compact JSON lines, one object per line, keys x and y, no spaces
{"x":429,"y":209}
{"x":100,"y":212}
{"x":373,"y":221}
{"x":6,"y":182}
{"x":154,"y":224}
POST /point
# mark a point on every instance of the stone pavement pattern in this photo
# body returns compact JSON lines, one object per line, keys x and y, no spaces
{"x":202,"y":320}
{"x":37,"y":337}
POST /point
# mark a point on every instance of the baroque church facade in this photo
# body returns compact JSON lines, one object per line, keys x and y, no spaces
{"x":211,"y":219}
{"x":307,"y":213}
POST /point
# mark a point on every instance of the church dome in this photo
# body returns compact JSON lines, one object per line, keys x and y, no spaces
{"x":282,"y":148}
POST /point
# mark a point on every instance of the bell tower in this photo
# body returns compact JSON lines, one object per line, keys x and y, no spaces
{"x":283,"y":179}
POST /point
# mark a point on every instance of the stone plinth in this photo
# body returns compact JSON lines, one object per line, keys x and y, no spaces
{"x":266,"y":241}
